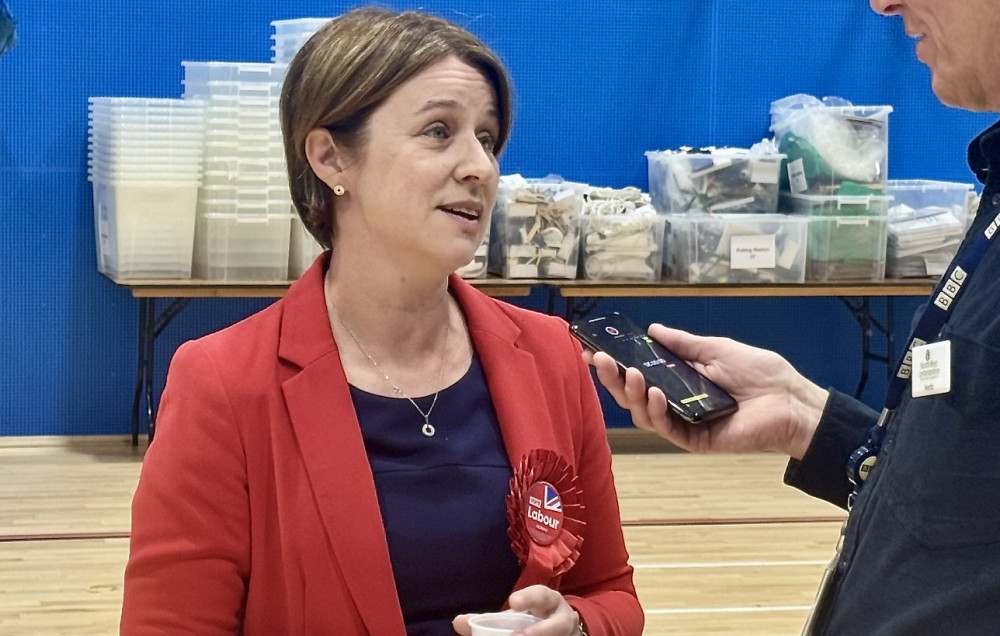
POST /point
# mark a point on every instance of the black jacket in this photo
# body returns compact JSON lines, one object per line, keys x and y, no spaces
{"x":922,"y":548}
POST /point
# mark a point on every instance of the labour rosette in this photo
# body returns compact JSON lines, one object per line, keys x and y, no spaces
{"x":545,"y":517}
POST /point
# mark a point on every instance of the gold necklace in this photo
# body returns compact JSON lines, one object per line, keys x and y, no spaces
{"x":427,"y":429}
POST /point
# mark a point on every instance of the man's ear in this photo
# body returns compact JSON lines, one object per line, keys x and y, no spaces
{"x":325,"y":159}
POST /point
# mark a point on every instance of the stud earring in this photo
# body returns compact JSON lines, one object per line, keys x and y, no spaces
{"x":338,"y":190}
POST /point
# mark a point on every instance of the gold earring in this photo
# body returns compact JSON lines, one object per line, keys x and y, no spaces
{"x":338,"y":190}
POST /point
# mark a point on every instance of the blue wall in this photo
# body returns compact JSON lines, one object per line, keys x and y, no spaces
{"x":597,"y":84}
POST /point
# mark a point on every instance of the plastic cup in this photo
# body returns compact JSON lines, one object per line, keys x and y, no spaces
{"x":500,"y":623}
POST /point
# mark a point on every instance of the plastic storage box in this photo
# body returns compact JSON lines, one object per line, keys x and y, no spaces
{"x":914,"y":198}
{"x":622,"y":235}
{"x":228,"y":247}
{"x":847,"y":248}
{"x":144,"y":230}
{"x":727,"y":180}
{"x":926,"y":225}
{"x":830,"y":149}
{"x":290,"y":35}
{"x":736,"y":248}
{"x":144,"y":160}
{"x":535,"y":229}
{"x":847,"y":235}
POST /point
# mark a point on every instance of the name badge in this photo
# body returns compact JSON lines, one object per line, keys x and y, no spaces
{"x":931,"y":369}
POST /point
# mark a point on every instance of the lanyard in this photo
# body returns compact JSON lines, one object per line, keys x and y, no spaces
{"x":928,"y":328}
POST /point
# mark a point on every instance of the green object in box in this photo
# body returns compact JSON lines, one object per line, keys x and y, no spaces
{"x":849,"y":239}
{"x":813,"y":165}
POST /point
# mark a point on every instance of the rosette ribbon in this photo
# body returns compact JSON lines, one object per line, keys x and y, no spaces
{"x":545,"y":517}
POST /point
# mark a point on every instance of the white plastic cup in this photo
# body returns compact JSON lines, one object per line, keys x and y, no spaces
{"x":500,"y":623}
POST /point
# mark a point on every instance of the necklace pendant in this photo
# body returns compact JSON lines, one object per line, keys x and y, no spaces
{"x":427,"y":429}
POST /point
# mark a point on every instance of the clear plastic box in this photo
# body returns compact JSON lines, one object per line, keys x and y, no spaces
{"x":231,"y":247}
{"x":830,"y":147}
{"x":204,"y":72}
{"x":535,"y":230}
{"x":847,"y":248}
{"x":622,"y":235}
{"x":915,"y":198}
{"x":144,"y":230}
{"x":620,"y":248}
{"x":736,"y":248}
{"x":723,"y":180}
{"x":298,"y":26}
{"x":927,"y":222}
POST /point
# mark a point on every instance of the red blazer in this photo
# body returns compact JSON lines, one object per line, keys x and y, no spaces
{"x":256,"y":511}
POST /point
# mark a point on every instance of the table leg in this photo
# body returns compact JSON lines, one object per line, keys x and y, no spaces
{"x":148,"y":358}
{"x":145,"y":334}
{"x":861,"y":310}
{"x":156,"y":325}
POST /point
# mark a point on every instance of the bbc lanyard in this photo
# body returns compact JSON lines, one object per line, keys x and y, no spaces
{"x":928,"y":329}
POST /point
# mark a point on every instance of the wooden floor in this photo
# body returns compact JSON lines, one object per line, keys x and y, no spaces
{"x":719,"y":545}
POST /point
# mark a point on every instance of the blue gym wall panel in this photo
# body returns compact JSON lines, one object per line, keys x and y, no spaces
{"x":596,"y":84}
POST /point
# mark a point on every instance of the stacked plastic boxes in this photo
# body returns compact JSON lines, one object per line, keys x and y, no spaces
{"x":145,"y":163}
{"x":721,"y":212}
{"x":244,"y":207}
{"x":288,"y":38}
{"x":926,"y":225}
{"x":290,"y":35}
{"x":834,"y":172}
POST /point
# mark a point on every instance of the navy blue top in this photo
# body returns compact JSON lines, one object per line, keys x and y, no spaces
{"x":442,"y":501}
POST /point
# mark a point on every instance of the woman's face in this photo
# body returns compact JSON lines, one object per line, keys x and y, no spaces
{"x":422,"y":190}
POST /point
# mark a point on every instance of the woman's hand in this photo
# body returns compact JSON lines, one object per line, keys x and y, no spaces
{"x":558,"y":618}
{"x":779,"y":409}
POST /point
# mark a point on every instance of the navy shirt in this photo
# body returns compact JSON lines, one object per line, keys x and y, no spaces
{"x":442,"y":501}
{"x":922,"y":548}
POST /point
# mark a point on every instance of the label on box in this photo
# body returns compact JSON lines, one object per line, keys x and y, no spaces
{"x":752,"y":252}
{"x":797,"y":182}
{"x":765,"y":171}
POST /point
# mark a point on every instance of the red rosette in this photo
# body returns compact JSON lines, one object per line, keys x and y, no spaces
{"x":545,"y":517}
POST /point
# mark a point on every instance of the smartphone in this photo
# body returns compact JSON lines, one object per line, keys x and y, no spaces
{"x":690,"y":395}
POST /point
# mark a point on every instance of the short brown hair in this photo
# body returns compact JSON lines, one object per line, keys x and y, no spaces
{"x":350,"y":67}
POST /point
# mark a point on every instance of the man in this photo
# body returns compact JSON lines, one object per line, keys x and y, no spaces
{"x":921,"y":550}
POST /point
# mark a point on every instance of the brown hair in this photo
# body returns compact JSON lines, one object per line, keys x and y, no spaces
{"x":350,"y":67}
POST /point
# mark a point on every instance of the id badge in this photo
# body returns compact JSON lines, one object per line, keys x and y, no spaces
{"x":931,"y":369}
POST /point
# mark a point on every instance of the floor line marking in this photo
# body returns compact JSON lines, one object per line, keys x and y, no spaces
{"x":729,"y":610}
{"x":725,"y":564}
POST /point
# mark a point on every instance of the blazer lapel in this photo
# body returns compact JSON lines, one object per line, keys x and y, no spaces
{"x":516,"y":387}
{"x":329,"y":437}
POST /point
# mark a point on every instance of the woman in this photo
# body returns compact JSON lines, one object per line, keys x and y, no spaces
{"x":385,"y":450}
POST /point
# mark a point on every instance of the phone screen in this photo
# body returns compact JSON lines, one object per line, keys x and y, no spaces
{"x":690,"y":394}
